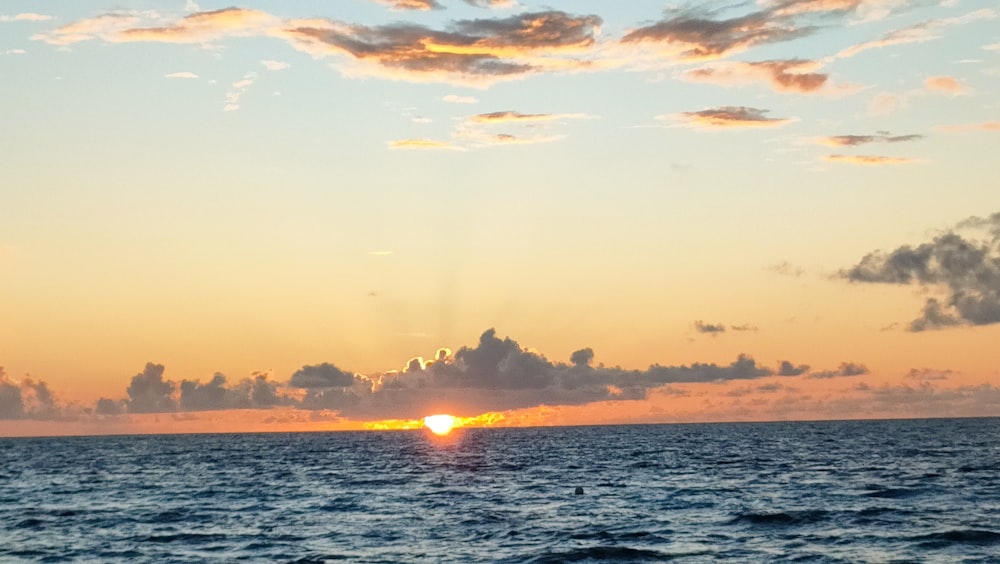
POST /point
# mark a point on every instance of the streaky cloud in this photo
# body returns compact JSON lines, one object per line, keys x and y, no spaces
{"x":727,"y":117}
{"x":867,"y":160}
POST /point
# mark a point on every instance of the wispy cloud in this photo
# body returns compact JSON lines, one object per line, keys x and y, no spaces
{"x":517,"y":117}
{"x":919,"y":33}
{"x":726,"y":117}
{"x":855,"y":140}
{"x":785,"y":268}
{"x":945,"y":84}
{"x":456,"y":99}
{"x":181,"y":74}
{"x":25,"y":17}
{"x":794,"y":75}
{"x":272,"y":65}
{"x":411,"y":4}
{"x":422,"y":144}
{"x":709,"y":328}
{"x":236,"y":91}
{"x":867,"y":160}
{"x":968,"y":127}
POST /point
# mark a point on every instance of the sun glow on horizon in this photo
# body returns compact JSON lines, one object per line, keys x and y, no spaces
{"x":440,"y":424}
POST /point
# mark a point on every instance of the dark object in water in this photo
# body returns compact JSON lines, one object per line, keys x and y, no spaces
{"x":578,"y":491}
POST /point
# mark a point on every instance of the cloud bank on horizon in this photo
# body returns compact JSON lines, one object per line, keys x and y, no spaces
{"x":495,"y":375}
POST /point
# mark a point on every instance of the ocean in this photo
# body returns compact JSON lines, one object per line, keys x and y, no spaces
{"x":847,"y":491}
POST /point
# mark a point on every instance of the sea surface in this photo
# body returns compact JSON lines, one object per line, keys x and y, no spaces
{"x":862,"y":491}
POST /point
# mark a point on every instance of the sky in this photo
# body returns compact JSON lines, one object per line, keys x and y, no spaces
{"x":318,"y":215}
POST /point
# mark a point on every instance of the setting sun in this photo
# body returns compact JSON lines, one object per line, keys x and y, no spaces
{"x":440,"y":424}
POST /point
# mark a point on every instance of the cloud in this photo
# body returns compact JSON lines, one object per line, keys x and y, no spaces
{"x":469,"y":52}
{"x":689,"y":35}
{"x":710,"y":328}
{"x":25,"y":17}
{"x":479,"y":130}
{"x":867,"y":159}
{"x":422,"y":144}
{"x":148,"y":392}
{"x":15,"y":52}
{"x":926,"y":374}
{"x":727,"y":117}
{"x":495,"y":375}
{"x":945,"y":84}
{"x":105,"y":406}
{"x":272,"y":65}
{"x":412,"y":4}
{"x":966,"y":272}
{"x":919,"y":33}
{"x":11,"y":404}
{"x":846,"y":369}
{"x":786,"y":268}
{"x":236,"y":91}
{"x":28,"y":399}
{"x":491,"y":3}
{"x":793,"y":75}
{"x":967,"y":127}
{"x":786,"y":368}
{"x":856,"y":140}
{"x":455,"y":99}
{"x":475,"y":52}
{"x":204,"y":27}
{"x":106,"y":27}
{"x":885,"y":103}
{"x":182,"y":74}
{"x":517,"y":117}
{"x":250,"y":393}
{"x":323,"y":375}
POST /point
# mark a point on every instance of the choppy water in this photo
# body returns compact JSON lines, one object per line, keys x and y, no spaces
{"x":887,"y":491}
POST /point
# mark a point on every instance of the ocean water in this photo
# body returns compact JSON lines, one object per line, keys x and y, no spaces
{"x":867,"y":491}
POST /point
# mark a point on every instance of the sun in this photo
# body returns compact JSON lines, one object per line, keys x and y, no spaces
{"x":440,"y":424}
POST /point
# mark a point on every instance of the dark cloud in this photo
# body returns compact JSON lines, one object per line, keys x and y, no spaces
{"x":855,"y":140}
{"x":11,"y":404}
{"x":731,"y":116}
{"x":149,"y":392}
{"x":716,"y":328}
{"x":710,"y":328}
{"x":966,"y":271}
{"x":323,"y":375}
{"x":700,"y":37}
{"x":786,"y":368}
{"x":480,"y":48}
{"x":846,"y":369}
{"x":28,"y":399}
{"x":107,"y":406}
{"x":582,"y":357}
{"x":498,"y":374}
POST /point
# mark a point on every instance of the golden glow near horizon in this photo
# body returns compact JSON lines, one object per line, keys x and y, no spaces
{"x":440,"y":424}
